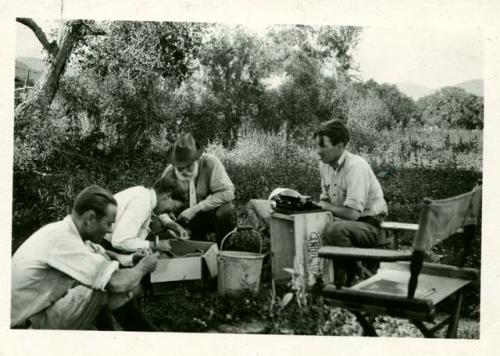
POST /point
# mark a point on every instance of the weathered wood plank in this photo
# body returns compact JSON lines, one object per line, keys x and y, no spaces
{"x":393,"y":225}
{"x":417,"y":309}
{"x":470,"y":274}
{"x":356,"y":253}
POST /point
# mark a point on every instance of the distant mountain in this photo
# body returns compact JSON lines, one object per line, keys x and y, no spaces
{"x":29,"y":66}
{"x":473,"y":86}
{"x":414,"y":91}
{"x":35,"y":63}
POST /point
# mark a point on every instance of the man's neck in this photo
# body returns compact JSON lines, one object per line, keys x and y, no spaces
{"x":336,"y":164}
{"x":78,"y":224}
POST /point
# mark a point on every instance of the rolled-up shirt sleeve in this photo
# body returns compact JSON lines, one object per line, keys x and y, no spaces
{"x":73,"y":258}
{"x":357,"y":189}
{"x":221,"y":187}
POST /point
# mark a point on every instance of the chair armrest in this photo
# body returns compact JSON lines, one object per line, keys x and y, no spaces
{"x":355,"y":253}
{"x":393,"y":225}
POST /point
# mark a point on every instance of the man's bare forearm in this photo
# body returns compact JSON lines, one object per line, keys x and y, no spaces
{"x":124,"y":280}
{"x":341,"y":211}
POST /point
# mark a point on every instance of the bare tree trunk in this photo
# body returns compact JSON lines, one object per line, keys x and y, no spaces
{"x":41,"y":96}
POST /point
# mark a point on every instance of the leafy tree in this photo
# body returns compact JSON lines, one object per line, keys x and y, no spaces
{"x":135,"y":49}
{"x":402,"y":109}
{"x":338,"y":43}
{"x":58,"y":53}
{"x":128,"y":83}
{"x":331,"y":45}
{"x":313,"y":63}
{"x":234,"y":64}
{"x":452,"y":107}
{"x":35,"y":134}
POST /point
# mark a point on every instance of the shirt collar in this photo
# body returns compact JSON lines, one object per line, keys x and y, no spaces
{"x":72,"y":226}
{"x":340,"y":161}
{"x":152,"y":192}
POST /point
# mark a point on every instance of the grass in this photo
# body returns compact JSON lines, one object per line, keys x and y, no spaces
{"x":196,"y":307}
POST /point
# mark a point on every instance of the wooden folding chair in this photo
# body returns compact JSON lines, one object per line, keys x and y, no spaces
{"x":406,"y":287}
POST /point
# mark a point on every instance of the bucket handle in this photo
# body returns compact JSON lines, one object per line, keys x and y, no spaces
{"x":241,"y":228}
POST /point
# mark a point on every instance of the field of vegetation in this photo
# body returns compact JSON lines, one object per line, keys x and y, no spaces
{"x":111,"y":122}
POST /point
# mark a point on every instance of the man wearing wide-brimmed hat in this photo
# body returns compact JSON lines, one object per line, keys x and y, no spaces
{"x":208,"y":190}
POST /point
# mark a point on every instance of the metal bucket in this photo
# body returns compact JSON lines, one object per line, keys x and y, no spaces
{"x":238,"y":270}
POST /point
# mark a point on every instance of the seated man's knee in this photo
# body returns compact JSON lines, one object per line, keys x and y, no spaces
{"x":335,"y":235}
{"x":226,"y":212}
{"x":76,"y":310}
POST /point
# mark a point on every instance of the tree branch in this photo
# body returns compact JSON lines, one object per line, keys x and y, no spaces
{"x":51,"y":47}
{"x":94,"y":31}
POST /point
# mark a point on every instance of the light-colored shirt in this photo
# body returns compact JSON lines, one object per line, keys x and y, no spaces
{"x":49,"y":263}
{"x":353,"y":184}
{"x":192,"y":193}
{"x":213,"y":186}
{"x":133,"y":216}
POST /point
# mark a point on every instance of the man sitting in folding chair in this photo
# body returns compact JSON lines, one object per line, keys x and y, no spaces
{"x":414,"y":290}
{"x":351,"y":192}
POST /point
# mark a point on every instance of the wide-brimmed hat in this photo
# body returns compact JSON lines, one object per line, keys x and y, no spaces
{"x":184,"y":151}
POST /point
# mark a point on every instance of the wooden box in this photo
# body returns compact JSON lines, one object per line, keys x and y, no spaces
{"x":295,"y":240}
{"x":189,"y":265}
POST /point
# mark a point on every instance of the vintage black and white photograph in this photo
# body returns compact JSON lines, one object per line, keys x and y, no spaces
{"x":278,"y":179}
{"x":206,"y":177}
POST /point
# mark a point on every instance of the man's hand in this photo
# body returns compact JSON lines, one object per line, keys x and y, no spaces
{"x":140,"y":254}
{"x":325,"y":205}
{"x":162,"y":245}
{"x":180,"y":232}
{"x":148,"y":263}
{"x":188,"y":214}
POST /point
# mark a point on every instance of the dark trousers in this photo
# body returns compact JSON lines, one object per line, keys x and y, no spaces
{"x":130,"y":318}
{"x":346,"y":233}
{"x":220,"y":221}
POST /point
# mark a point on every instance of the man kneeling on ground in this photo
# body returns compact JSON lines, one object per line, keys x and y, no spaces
{"x":62,"y":278}
{"x":136,"y":207}
{"x":209,"y":192}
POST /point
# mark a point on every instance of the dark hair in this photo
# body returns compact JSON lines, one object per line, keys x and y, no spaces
{"x":94,"y":198}
{"x":170,"y":186}
{"x":335,"y":130}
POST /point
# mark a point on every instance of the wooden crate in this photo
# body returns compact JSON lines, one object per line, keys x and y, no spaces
{"x":291,"y":235}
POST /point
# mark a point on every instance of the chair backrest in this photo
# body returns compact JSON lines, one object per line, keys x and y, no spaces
{"x":440,"y":219}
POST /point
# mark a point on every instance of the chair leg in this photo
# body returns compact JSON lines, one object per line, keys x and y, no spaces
{"x":452,"y":328}
{"x":368,"y":329}
{"x":366,"y":273}
{"x":423,"y":329}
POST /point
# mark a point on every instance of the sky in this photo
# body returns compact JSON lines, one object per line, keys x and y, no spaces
{"x":428,"y":57}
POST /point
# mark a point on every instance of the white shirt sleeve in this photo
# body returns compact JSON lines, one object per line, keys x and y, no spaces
{"x":126,"y":233}
{"x":74,"y":258}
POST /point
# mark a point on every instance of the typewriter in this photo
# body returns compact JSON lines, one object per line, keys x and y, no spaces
{"x":289,"y":201}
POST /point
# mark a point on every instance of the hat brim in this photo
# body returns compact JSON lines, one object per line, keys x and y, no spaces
{"x":184,"y":163}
